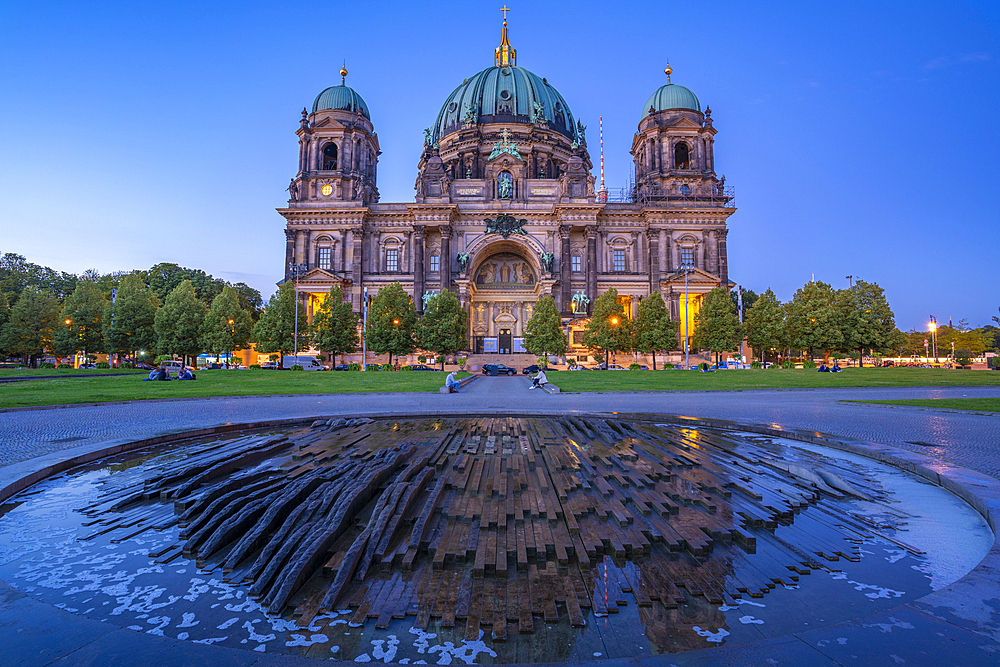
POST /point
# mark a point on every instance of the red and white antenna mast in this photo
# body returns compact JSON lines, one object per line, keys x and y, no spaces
{"x":602,"y":193}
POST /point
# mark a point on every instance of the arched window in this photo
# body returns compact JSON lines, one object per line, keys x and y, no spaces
{"x":682,"y":156}
{"x":685,"y":190}
{"x":330,"y":156}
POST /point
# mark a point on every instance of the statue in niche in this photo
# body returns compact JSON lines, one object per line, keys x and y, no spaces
{"x":426,"y":298}
{"x":505,"y":185}
{"x":547,"y":258}
{"x":463,"y":261}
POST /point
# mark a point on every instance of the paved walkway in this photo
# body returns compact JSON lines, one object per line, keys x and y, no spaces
{"x":966,"y":438}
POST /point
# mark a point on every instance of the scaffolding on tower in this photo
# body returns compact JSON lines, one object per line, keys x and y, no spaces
{"x":602,"y":193}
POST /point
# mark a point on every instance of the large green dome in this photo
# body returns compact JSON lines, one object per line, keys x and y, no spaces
{"x":671,"y":96}
{"x":340,"y":98}
{"x":504,"y":94}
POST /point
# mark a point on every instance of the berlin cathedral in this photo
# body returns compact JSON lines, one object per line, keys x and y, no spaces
{"x":506,"y":210}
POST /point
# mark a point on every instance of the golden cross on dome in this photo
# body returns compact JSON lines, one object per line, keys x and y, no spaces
{"x":504,"y":10}
{"x":505,"y":134}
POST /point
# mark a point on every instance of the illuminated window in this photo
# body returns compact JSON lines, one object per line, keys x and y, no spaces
{"x":577,"y":264}
{"x":324,"y":258}
{"x":687,"y":256}
{"x":330,"y":156}
{"x":619,"y":260}
{"x":392,"y":260}
{"x":435,"y":263}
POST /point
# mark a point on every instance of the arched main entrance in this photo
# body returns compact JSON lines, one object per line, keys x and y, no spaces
{"x":504,"y":281}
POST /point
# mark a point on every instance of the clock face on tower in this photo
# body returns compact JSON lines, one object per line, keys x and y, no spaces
{"x":327,"y":190}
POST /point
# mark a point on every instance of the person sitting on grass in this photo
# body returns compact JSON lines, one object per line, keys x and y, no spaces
{"x":186,"y":374}
{"x":158,"y":373}
{"x":451,"y":383}
{"x":539,"y":380}
{"x":835,"y":368}
{"x":823,"y":368}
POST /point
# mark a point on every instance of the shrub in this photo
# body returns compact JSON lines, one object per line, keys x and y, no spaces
{"x":387,"y":367}
{"x":634,"y":367}
{"x":373,"y":367}
{"x":788,"y":364}
{"x":809,"y":363}
{"x":102,"y":364}
{"x":461,"y":362}
{"x":127,"y":364}
{"x":255,"y":367}
{"x":993,"y":362}
{"x":354,"y":367}
{"x":755,"y":364}
{"x":440,"y":360}
{"x":296,"y":367}
{"x":406,"y":368}
{"x":421,"y":359}
{"x":963,"y":357}
{"x":703,"y":366}
{"x":46,"y":364}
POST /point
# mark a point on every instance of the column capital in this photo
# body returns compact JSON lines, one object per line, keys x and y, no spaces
{"x":290,"y":234}
{"x":565,"y":231}
{"x":591,"y":232}
{"x":445,"y":229}
{"x":653,"y":235}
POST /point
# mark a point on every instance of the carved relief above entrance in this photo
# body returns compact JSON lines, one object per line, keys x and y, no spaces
{"x":505,"y":270}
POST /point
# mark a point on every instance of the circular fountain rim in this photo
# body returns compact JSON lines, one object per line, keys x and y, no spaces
{"x":978,"y":490}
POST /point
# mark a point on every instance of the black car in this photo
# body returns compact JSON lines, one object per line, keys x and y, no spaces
{"x":498,"y":369}
{"x":342,"y":367}
{"x":534,"y":368}
{"x":422,"y":367}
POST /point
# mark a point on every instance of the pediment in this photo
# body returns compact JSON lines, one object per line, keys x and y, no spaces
{"x":320,"y":275}
{"x":685,"y":123}
{"x":695,"y":275}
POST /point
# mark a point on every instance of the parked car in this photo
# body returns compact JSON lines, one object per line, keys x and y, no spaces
{"x":273,"y":365}
{"x":534,"y":368}
{"x":373,"y":367}
{"x":342,"y":367}
{"x":498,"y":369}
{"x":422,"y":367}
{"x":610,"y":367}
{"x":307,"y":363}
{"x":577,"y":367}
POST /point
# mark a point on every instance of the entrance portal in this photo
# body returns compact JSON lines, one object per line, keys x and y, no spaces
{"x":505,"y":341}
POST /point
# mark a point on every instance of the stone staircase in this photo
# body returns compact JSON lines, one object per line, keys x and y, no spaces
{"x":519,"y":361}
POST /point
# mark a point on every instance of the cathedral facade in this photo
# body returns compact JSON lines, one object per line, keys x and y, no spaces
{"x":506,"y":210}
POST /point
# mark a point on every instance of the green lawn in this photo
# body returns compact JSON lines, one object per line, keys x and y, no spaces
{"x":62,"y":370}
{"x":977,"y":404}
{"x":78,"y":389}
{"x":767,"y":379}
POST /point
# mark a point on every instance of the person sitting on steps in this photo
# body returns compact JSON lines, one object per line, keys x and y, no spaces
{"x":451,"y":383}
{"x":539,"y":380}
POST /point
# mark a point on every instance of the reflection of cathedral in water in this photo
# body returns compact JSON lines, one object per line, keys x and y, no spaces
{"x":505,"y":143}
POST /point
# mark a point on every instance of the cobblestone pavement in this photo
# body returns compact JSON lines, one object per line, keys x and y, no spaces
{"x":969,"y":439}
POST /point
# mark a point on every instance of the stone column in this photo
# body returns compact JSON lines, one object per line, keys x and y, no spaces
{"x":711,"y":250}
{"x":290,"y":235}
{"x":357,"y":234}
{"x":418,"y":268}
{"x":637,"y":262}
{"x":307,"y":250}
{"x":565,"y":270}
{"x":723,"y":257}
{"x":653,"y":240}
{"x":591,"y":266}
{"x":668,"y":250}
{"x":445,"y":256}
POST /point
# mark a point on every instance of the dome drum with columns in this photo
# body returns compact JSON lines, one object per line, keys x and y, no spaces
{"x":506,"y":147}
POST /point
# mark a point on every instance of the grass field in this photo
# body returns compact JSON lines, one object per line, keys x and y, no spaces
{"x":976,"y":404}
{"x":768,"y":379}
{"x":68,"y":371}
{"x":81,"y":389}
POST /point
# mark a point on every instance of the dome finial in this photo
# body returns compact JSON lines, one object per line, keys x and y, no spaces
{"x":668,"y":71}
{"x":504,"y":55}
{"x":343,"y":74}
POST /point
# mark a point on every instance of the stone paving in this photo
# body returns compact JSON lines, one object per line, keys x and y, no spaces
{"x":968,"y":439}
{"x":958,"y":625}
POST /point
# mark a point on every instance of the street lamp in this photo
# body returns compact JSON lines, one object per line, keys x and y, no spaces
{"x":933,"y":326}
{"x":296,"y":270}
{"x":232,"y":342}
{"x":614,"y":322}
{"x":686,"y":268}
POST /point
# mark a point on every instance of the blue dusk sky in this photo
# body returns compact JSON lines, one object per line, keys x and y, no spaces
{"x":861,"y":138}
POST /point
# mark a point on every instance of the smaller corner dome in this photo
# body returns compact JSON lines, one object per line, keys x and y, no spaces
{"x":340,"y":98}
{"x":671,"y":96}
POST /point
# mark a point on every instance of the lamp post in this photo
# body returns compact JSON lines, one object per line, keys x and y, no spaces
{"x":297,"y":270}
{"x":613,"y":321}
{"x":686,"y":268}
{"x":232,"y":344}
{"x":933,"y":326}
{"x":395,"y":323}
{"x":364,"y":330}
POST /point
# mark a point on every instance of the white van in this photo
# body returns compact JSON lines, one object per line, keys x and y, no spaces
{"x":307,"y":363}
{"x":174,"y":367}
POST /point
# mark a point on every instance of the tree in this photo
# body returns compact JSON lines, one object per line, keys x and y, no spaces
{"x":4,"y":310}
{"x":166,"y":277}
{"x":81,"y":321}
{"x":250,"y":299}
{"x":608,"y":330}
{"x":128,"y":323}
{"x":653,"y":329}
{"x":443,"y":325}
{"x":178,"y":323}
{"x":28,"y":331}
{"x":391,"y":322}
{"x":813,"y":321}
{"x":716,"y":325}
{"x":543,"y":334}
{"x":335,"y":326}
{"x":275,"y":330}
{"x":874,"y":325}
{"x":226,"y":326}
{"x":765,"y":325}
{"x":749,"y":299}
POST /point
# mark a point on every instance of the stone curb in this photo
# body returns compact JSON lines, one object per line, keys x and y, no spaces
{"x":951,"y":623}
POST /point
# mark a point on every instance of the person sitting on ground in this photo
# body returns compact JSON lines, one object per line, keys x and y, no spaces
{"x":452,"y":383}
{"x":539,"y":380}
{"x":186,"y":374}
{"x":823,"y":368}
{"x":153,"y":374}
{"x":835,"y":368}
